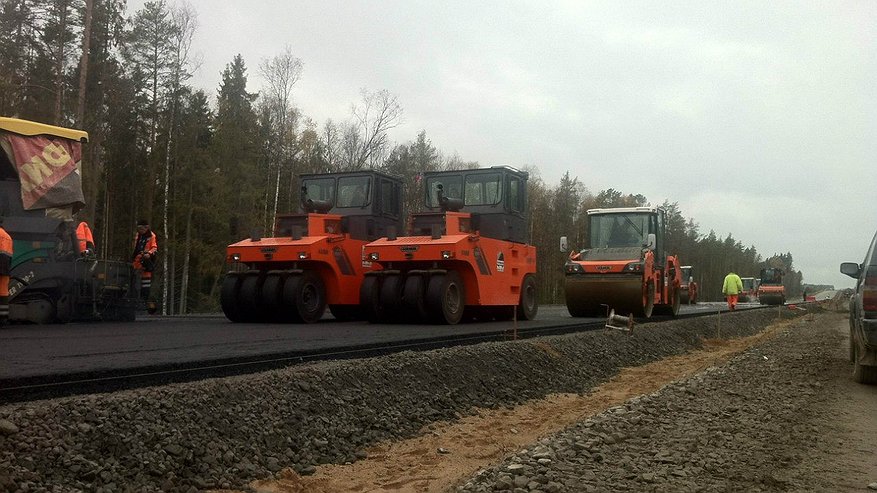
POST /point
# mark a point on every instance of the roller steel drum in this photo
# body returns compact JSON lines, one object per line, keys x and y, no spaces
{"x":772,"y":298}
{"x":586,"y":294}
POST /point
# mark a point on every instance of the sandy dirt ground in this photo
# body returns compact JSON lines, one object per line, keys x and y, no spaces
{"x":445,"y":454}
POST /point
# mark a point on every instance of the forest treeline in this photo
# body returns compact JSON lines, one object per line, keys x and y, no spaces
{"x":209,"y":169}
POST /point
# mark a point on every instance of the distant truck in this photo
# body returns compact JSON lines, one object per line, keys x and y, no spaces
{"x":688,"y":287}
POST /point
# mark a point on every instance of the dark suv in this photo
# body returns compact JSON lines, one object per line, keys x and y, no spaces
{"x":863,"y":316}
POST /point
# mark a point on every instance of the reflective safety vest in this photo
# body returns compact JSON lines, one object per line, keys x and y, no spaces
{"x":84,"y":238}
{"x":732,"y":285}
{"x":5,"y":253}
{"x":145,"y":243}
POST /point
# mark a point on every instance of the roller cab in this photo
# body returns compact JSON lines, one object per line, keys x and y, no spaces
{"x":748,"y":294}
{"x":314,"y":258}
{"x":625,"y":266}
{"x":466,"y":257}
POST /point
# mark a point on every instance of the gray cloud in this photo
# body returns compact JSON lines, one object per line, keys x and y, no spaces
{"x":758,"y":118}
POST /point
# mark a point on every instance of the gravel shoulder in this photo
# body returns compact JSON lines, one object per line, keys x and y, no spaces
{"x":783,"y":415}
{"x":775,"y":411}
{"x":671,"y":407}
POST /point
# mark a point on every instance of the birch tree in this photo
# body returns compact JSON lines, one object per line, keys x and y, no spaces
{"x":281,"y":72}
{"x":365,"y":140}
{"x":184,"y":21}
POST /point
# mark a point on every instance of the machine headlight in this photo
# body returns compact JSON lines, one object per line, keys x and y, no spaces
{"x":373,"y":256}
{"x":634,"y":267}
{"x":573,"y":268}
{"x":303,"y":255}
{"x":446,"y":254}
{"x":235,"y":257}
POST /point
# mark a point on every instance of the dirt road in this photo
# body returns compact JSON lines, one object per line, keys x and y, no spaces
{"x":772,"y":412}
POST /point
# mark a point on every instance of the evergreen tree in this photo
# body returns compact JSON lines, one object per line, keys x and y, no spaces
{"x":150,"y":52}
{"x":238,"y":193}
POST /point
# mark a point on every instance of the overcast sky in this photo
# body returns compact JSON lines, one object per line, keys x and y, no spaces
{"x":758,"y":118}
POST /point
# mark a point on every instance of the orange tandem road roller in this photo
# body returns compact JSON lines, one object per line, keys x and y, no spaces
{"x":625,"y":268}
{"x":771,"y":290}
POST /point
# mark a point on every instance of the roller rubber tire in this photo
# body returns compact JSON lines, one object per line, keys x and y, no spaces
{"x":310,"y":298}
{"x":370,"y":299}
{"x":446,"y":298}
{"x":250,"y":297}
{"x":413,"y":294}
{"x":528,"y":307}
{"x":391,"y":296}
{"x":228,"y":297}
{"x":288,"y":307}
{"x":272,"y":293}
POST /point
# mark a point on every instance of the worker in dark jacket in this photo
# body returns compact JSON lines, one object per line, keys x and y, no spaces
{"x":145,"y":249}
{"x":5,"y":271}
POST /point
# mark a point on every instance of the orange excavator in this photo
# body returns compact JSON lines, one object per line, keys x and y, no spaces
{"x":625,"y":268}
{"x":314,"y":258}
{"x":467,"y":256}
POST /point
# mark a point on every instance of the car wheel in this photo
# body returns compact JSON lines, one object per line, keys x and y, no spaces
{"x":865,"y":374}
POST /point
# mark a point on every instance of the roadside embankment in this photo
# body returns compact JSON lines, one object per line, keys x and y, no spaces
{"x":223,"y":433}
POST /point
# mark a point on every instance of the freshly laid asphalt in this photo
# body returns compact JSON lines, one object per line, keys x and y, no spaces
{"x":28,"y":351}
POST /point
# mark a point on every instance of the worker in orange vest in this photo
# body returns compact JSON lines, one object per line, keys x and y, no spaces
{"x":84,"y":239}
{"x":145,"y":248}
{"x":5,"y":271}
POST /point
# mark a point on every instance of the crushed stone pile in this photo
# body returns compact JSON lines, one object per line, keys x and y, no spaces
{"x":743,"y":426}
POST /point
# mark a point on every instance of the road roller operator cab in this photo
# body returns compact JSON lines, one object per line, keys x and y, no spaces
{"x":313,"y":260}
{"x":466,"y":256}
{"x":749,"y":293}
{"x":625,"y":266}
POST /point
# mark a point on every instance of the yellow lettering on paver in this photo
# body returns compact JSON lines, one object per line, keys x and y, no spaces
{"x":36,"y":170}
{"x":56,"y":155}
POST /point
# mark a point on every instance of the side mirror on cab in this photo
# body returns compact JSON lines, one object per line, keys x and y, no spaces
{"x":651,"y":241}
{"x":851,"y":269}
{"x":564,"y":244}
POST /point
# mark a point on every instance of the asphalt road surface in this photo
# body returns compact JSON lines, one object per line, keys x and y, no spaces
{"x":39,"y":351}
